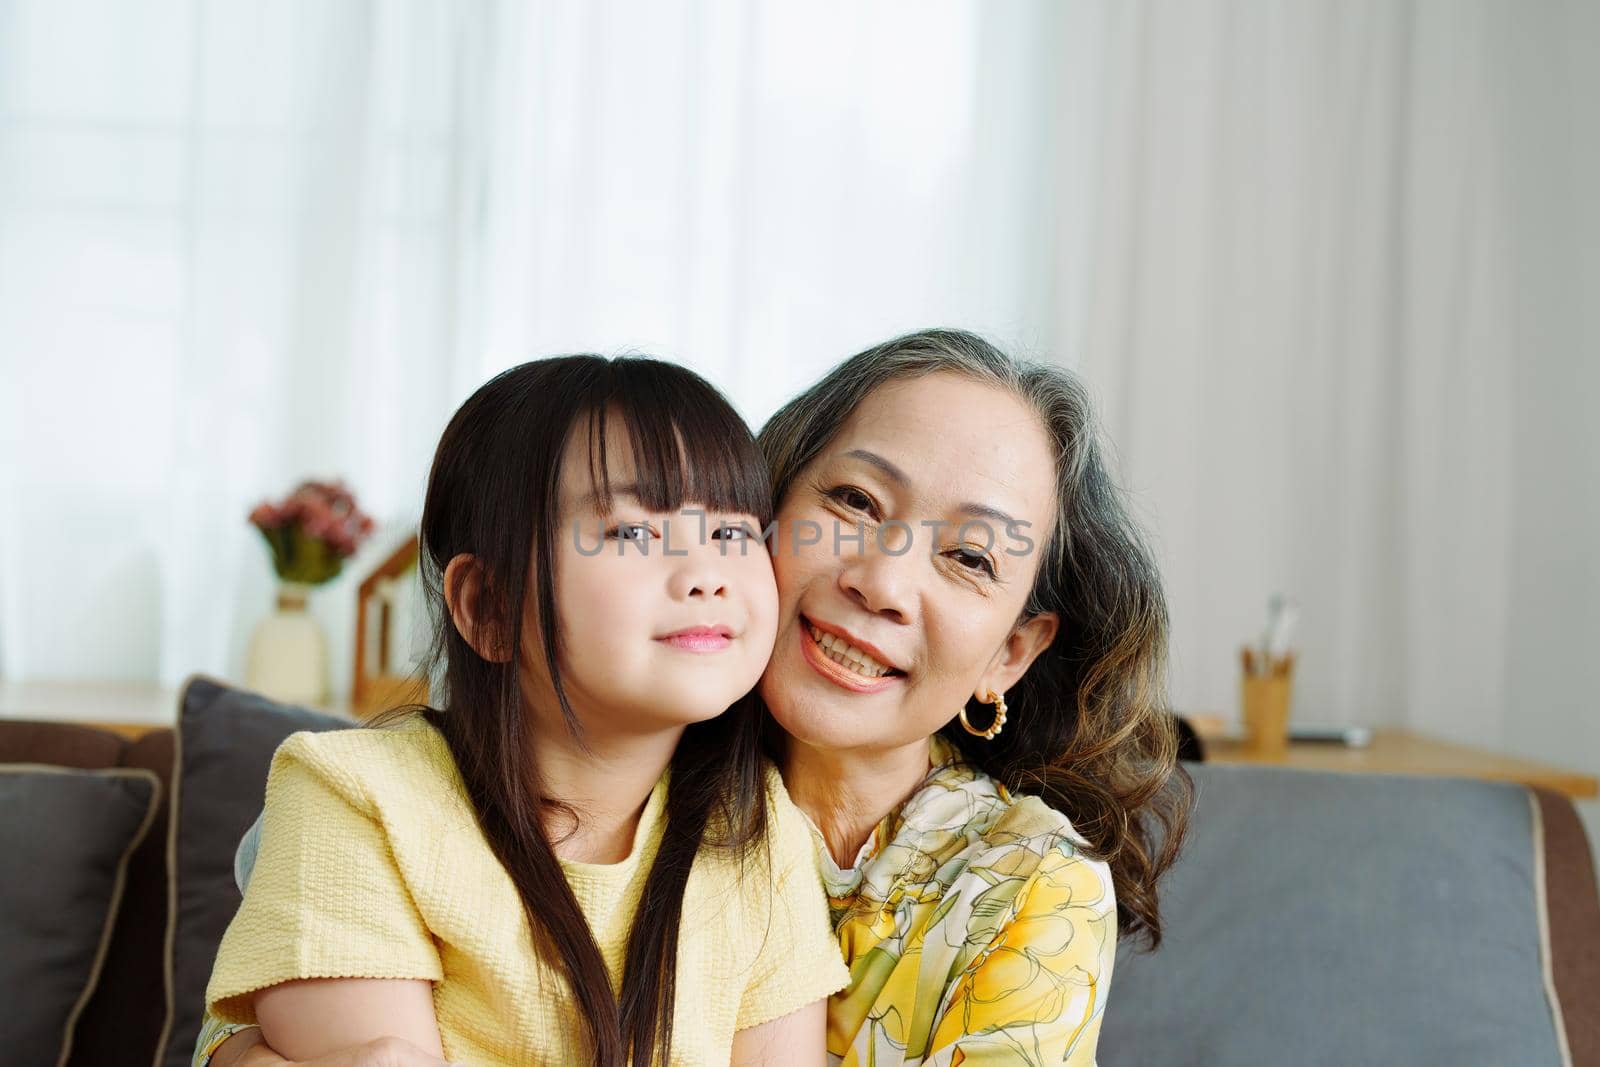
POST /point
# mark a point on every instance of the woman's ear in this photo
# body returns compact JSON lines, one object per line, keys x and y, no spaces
{"x":470,"y":609}
{"x":1023,"y":645}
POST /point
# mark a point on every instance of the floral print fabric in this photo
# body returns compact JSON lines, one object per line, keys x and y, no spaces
{"x":213,"y":1032}
{"x":975,"y":931}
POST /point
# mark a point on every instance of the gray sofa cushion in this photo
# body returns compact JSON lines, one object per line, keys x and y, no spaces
{"x":65,"y":839}
{"x":1339,"y":919}
{"x":226,"y":738}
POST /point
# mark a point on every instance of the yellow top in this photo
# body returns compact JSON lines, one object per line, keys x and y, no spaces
{"x":372,"y":865}
{"x":976,"y":931}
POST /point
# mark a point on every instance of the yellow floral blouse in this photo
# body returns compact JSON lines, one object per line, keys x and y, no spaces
{"x":975,"y":930}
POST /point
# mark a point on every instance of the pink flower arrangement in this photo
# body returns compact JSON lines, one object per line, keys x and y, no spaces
{"x":313,"y":531}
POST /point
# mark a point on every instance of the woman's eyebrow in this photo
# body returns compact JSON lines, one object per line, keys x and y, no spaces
{"x":889,"y":470}
{"x":985,"y":511}
{"x":900,"y":478}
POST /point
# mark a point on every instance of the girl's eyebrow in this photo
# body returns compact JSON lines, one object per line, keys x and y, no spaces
{"x":590,"y":501}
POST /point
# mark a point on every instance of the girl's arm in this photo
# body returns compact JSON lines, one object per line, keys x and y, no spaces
{"x":326,"y":897}
{"x":797,"y":1039}
{"x":340,"y":1022}
{"x":246,"y":1049}
{"x":313,"y":1017}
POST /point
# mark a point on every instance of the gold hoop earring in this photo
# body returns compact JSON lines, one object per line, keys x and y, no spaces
{"x":999,"y":702}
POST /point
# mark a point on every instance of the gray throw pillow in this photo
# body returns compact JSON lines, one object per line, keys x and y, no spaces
{"x":65,"y":839}
{"x":226,"y":739}
{"x":1319,"y":918}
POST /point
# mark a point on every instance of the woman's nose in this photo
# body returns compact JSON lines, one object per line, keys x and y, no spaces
{"x":881,"y":582}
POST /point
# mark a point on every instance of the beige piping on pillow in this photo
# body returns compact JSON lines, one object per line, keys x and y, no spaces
{"x":1541,"y":909}
{"x":169,"y":942}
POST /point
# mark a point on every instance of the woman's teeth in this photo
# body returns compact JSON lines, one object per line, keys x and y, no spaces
{"x":847,"y":655}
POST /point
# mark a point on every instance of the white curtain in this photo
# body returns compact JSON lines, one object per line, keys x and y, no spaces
{"x":1299,"y":322}
{"x":1336,"y":292}
{"x":1337,"y":284}
{"x":242,"y":244}
{"x":226,"y":239}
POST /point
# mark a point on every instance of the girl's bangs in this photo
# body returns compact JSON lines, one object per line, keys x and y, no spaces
{"x":690,"y":448}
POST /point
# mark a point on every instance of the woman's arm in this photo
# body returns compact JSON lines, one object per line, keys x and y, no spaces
{"x":798,"y":1039}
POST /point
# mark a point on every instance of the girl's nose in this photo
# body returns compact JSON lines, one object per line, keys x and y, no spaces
{"x":698,"y":578}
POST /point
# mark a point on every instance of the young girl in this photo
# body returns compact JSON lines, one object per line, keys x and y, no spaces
{"x":578,"y":857}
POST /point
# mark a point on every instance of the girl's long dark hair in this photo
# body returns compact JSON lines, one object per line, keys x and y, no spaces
{"x":493,"y":494}
{"x":1089,"y":728}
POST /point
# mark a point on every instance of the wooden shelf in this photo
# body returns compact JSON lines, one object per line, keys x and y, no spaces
{"x":127,"y":708}
{"x":1396,"y":751}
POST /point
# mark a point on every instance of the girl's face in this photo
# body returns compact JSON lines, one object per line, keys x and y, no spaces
{"x":666,"y":619}
{"x":941,"y":473}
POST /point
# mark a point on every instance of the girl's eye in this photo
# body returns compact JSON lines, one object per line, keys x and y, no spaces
{"x":630,"y":531}
{"x":973,"y":560}
{"x":851,"y":497}
{"x":735,"y":532}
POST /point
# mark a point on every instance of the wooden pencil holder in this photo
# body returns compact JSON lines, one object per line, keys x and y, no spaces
{"x":1265,"y":693}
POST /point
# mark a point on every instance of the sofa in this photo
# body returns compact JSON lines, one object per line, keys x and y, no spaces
{"x":1312,"y":918}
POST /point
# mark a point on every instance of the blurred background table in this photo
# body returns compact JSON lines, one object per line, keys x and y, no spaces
{"x":1394,"y":751}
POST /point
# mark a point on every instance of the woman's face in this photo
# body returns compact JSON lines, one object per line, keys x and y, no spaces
{"x":950,"y":485}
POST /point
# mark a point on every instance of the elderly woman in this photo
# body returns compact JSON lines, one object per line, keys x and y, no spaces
{"x":971,"y":702}
{"x":967,"y":701}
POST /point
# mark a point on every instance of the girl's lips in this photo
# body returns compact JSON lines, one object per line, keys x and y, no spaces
{"x":833,"y":672}
{"x":698,"y":641}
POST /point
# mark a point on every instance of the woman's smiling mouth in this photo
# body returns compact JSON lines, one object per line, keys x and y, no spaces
{"x":846,"y":665}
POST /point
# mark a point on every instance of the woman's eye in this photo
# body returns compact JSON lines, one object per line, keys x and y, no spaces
{"x":630,"y":531}
{"x":973,"y":560}
{"x":736,"y":532}
{"x":851,"y":497}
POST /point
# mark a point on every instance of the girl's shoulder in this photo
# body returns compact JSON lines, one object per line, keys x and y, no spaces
{"x":784,"y":817}
{"x":400,"y":741}
{"x":404,"y":763}
{"x":779,"y":804}
{"x":786,"y":842}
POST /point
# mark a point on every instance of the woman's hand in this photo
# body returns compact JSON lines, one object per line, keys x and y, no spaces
{"x":248,"y":1049}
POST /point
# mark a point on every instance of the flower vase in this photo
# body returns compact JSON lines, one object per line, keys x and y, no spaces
{"x":288,"y":657}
